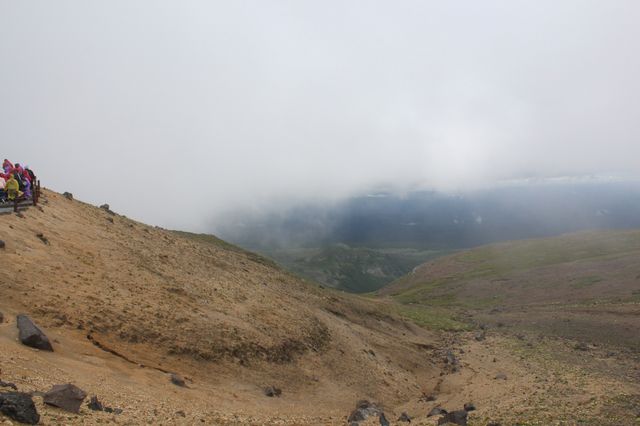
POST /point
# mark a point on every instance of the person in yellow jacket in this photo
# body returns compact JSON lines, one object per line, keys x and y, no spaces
{"x":12,"y":187}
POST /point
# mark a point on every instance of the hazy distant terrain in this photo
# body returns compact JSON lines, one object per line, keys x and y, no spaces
{"x":364,"y":242}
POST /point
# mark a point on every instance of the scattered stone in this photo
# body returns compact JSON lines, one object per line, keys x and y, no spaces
{"x":581,"y":346}
{"x":181,"y":413}
{"x":272,"y":391}
{"x":42,"y":238}
{"x":177,"y":380}
{"x":94,"y":404}
{"x":364,"y":409}
{"x":8,"y":385}
{"x":106,"y":208}
{"x":427,"y":397}
{"x":501,"y":376}
{"x":609,"y":354}
{"x":450,"y":358}
{"x":19,"y":407}
{"x":383,"y":420}
{"x":480,"y":336}
{"x":31,"y":335}
{"x":456,"y":417}
{"x":68,"y":195}
{"x":437,"y":411}
{"x":404,"y":417}
{"x":2,"y":244}
{"x":68,"y":397}
{"x":469,"y":406}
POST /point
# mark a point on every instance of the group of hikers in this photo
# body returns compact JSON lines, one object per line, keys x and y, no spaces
{"x":16,"y":181}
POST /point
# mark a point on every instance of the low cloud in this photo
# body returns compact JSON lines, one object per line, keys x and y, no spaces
{"x":177,"y":112}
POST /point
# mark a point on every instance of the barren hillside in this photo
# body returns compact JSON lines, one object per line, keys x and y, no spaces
{"x":116,"y":294}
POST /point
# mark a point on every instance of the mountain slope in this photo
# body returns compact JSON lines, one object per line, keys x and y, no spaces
{"x":192,"y":304}
{"x":584,"y":285}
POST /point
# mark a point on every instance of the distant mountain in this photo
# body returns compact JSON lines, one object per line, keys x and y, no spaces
{"x":365,"y":242}
{"x":433,"y":220}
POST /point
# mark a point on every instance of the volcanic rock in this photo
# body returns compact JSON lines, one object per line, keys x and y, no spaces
{"x":456,"y":417}
{"x":272,"y":391}
{"x":68,"y":397}
{"x":19,"y":407}
{"x":31,"y":335}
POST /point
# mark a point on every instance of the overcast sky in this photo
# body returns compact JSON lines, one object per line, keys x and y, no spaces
{"x":234,"y":103}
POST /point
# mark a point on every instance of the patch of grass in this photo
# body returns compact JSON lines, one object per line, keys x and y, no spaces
{"x":431,"y":318}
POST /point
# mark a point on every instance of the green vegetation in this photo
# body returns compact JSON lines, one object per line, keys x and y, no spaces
{"x":431,"y":318}
{"x":354,"y":269}
{"x":574,"y":268}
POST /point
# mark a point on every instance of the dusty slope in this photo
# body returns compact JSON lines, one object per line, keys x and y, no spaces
{"x":228,"y":320}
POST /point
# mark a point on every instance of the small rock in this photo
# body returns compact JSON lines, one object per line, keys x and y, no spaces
{"x":2,"y":245}
{"x":450,"y":358}
{"x":456,"y":417}
{"x":272,"y":391}
{"x":581,"y":346}
{"x":383,"y":420}
{"x":177,"y":380}
{"x":42,"y":238}
{"x":364,"y":409}
{"x":181,"y":413}
{"x":436,"y":411}
{"x":469,"y":406}
{"x":31,"y":335}
{"x":494,"y":424}
{"x":19,"y":407}
{"x":404,"y":417}
{"x":106,"y":208}
{"x":480,"y":336}
{"x":501,"y":376}
{"x":1,"y":317}
{"x":94,"y":404}
{"x":68,"y":397}
{"x":68,"y":195}
{"x":8,"y":385}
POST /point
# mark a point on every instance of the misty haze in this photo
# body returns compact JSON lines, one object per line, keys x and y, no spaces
{"x":318,"y":213}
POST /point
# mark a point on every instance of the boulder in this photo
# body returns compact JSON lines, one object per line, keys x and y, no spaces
{"x":68,"y":195}
{"x":364,"y":409}
{"x":19,"y":407}
{"x":456,"y":417}
{"x":272,"y":391}
{"x":469,"y":406}
{"x":31,"y":335}
{"x":68,"y":397}
{"x":177,"y":380}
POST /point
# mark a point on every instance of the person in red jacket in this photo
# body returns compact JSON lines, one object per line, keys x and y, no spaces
{"x":7,"y":166}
